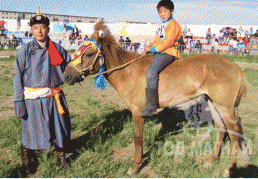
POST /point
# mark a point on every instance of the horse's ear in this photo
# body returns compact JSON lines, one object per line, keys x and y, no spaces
{"x":95,"y":35}
{"x":100,"y":26}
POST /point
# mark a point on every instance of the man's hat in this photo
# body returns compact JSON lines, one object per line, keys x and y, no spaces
{"x":39,"y":19}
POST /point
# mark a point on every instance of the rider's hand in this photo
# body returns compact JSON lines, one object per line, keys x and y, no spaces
{"x":147,"y":48}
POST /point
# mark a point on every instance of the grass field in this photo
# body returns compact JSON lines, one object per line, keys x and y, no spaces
{"x":169,"y":151}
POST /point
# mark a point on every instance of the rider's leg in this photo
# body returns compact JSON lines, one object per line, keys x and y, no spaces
{"x":159,"y":62}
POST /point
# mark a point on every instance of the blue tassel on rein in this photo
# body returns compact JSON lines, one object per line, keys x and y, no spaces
{"x":100,"y":80}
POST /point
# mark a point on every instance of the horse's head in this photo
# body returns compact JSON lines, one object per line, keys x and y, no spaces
{"x":87,"y":59}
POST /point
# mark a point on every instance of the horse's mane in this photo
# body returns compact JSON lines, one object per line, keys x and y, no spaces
{"x":108,"y":42}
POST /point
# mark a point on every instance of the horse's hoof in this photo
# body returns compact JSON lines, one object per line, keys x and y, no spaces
{"x":132,"y":171}
{"x":226,"y":173}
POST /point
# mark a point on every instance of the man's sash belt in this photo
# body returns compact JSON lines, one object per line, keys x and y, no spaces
{"x":35,"y":93}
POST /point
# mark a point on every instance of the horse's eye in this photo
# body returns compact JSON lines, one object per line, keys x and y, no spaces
{"x":89,"y":54}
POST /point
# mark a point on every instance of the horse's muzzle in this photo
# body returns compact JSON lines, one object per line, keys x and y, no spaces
{"x":72,"y":79}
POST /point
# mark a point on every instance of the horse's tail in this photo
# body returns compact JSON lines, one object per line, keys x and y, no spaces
{"x":242,"y":90}
{"x":241,"y":93}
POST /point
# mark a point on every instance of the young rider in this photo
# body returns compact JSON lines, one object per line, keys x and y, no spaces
{"x":164,"y":53}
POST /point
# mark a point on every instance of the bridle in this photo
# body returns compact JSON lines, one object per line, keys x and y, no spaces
{"x":87,"y":44}
{"x":76,"y":57}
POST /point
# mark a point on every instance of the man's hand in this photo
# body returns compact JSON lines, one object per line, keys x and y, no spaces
{"x":20,"y":109}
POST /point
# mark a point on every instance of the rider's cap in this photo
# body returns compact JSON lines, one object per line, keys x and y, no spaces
{"x":39,"y":19}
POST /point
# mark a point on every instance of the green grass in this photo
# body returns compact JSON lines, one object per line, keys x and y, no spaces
{"x":10,"y":59}
{"x":6,"y":108}
{"x":94,"y":155}
{"x":10,"y":49}
{"x":71,"y":51}
{"x":252,"y":76}
{"x":6,"y":88}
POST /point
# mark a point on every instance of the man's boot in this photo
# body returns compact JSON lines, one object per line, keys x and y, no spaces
{"x":26,"y":160}
{"x":151,"y":102}
{"x":61,"y":160}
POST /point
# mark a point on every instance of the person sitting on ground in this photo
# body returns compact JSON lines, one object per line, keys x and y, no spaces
{"x":198,"y":47}
{"x":164,"y":53}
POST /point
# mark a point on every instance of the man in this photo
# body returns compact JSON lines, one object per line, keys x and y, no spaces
{"x":189,"y":35}
{"x":198,"y":47}
{"x":13,"y":41}
{"x":233,"y":45}
{"x":39,"y":100}
{"x":221,"y":36}
{"x":256,"y":33}
{"x":127,"y":43}
{"x":208,"y":35}
{"x":241,"y":48}
{"x":75,"y":31}
{"x":2,"y":28}
{"x":28,"y":32}
{"x":121,"y":42}
{"x":253,"y":42}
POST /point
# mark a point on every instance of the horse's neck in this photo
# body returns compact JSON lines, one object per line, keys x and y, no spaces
{"x":114,"y":60}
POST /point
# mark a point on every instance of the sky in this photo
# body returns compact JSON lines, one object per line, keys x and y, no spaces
{"x":192,"y":12}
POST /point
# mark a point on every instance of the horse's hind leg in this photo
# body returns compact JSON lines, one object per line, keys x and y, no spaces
{"x":227,"y":123}
{"x":236,"y":136}
{"x":221,"y":130}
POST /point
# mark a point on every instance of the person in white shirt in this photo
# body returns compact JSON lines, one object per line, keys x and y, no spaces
{"x":233,"y":45}
{"x":189,"y":35}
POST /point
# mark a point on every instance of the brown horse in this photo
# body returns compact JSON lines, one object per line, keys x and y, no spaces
{"x":183,"y":80}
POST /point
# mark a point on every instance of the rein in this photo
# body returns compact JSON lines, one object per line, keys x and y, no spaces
{"x":119,"y":67}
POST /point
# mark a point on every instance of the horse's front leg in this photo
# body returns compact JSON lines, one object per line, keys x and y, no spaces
{"x":137,"y":158}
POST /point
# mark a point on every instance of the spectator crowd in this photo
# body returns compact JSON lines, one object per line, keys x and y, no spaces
{"x":238,"y":41}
